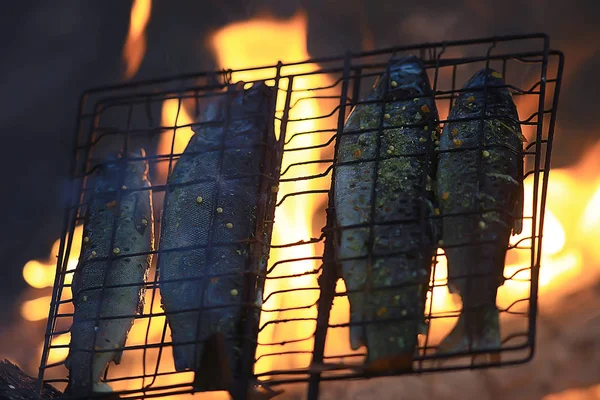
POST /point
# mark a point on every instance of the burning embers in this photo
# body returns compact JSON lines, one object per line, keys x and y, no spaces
{"x":220,"y":198}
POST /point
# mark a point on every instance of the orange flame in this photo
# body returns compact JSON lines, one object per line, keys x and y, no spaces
{"x":36,"y":309}
{"x":40,"y":274}
{"x":135,"y":45}
{"x":175,"y":114}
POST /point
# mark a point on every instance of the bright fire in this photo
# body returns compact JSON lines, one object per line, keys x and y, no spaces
{"x":40,"y":274}
{"x":135,"y":45}
{"x":568,"y":256}
{"x":175,"y":114}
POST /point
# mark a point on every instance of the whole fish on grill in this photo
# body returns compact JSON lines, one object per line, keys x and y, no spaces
{"x":130,"y":217}
{"x":485,"y":186}
{"x":393,"y":284}
{"x":211,"y":212}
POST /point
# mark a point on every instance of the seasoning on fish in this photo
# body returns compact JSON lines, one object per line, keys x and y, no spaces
{"x":484,"y":183}
{"x":203,"y":285}
{"x":96,"y":276}
{"x":393,"y":283}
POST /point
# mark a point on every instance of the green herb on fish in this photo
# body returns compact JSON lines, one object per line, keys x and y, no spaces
{"x":133,"y":234}
{"x":493,"y":176}
{"x":203,"y":308}
{"x":399,"y":190}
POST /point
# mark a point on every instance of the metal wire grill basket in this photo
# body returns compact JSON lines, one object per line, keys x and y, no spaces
{"x":300,"y":332}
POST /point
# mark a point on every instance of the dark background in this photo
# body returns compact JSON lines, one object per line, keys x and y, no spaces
{"x":52,"y":50}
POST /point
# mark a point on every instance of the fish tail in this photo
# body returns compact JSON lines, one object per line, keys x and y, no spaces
{"x":80,"y":373}
{"x":357,"y":336}
{"x":213,"y":372}
{"x":254,"y":393}
{"x":183,"y":355}
{"x":423,"y":328}
{"x":118,"y":354}
{"x":68,"y":390}
{"x":482,"y":326}
{"x":98,"y":387}
{"x":479,"y":327}
{"x":101,"y":387}
{"x":487,"y":333}
{"x":183,"y":328}
{"x":357,"y":330}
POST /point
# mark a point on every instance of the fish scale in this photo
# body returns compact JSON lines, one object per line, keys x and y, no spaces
{"x":221,"y":213}
{"x":133,"y":234}
{"x":480,"y":177}
{"x":401,"y":253}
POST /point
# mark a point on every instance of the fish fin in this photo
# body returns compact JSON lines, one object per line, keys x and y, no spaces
{"x":68,"y":390}
{"x":142,"y":213}
{"x":455,"y":341}
{"x":518,"y":211}
{"x":519,"y":203}
{"x":423,"y":328}
{"x":117,"y":357}
{"x":213,"y":372}
{"x":117,"y":354}
{"x":357,"y":332}
{"x":452,"y":288}
{"x":357,"y":337}
{"x":261,"y":392}
{"x":435,"y":225}
{"x":141,"y":304}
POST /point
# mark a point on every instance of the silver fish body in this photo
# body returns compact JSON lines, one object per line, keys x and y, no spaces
{"x":209,"y":222}
{"x":480,"y":181}
{"x":104,"y":313}
{"x":397,"y":274}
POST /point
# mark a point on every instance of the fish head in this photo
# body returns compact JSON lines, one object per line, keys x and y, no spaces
{"x":216,"y":109}
{"x":208,"y":129}
{"x":485,"y":77}
{"x":107,"y":173}
{"x":137,"y":165}
{"x":486,"y":83}
{"x":115,"y":169}
{"x":405,"y":78}
{"x":254,"y":97}
{"x":236,"y":105}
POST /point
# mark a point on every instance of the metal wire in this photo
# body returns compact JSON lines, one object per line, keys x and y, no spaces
{"x":294,"y":309}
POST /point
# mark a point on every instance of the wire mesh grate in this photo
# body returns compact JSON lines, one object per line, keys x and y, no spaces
{"x":293,"y":324}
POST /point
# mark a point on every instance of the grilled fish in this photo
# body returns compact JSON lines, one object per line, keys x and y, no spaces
{"x":95,"y":276}
{"x":393,"y":282}
{"x":210,"y":219}
{"x":485,"y":186}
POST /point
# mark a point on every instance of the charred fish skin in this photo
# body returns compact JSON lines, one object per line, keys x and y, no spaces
{"x":485,"y":186}
{"x":222,"y":208}
{"x":131,"y":218}
{"x":403,"y":191}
